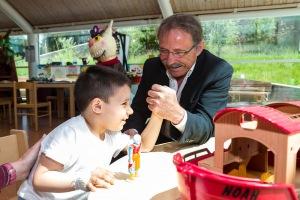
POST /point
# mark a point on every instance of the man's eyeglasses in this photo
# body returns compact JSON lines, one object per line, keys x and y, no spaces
{"x":177,"y":54}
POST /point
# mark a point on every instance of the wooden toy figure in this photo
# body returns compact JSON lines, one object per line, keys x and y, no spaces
{"x":134,"y":156}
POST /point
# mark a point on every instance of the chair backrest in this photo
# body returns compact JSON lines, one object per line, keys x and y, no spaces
{"x":31,"y":92}
{"x":5,"y":101}
{"x":11,"y":148}
{"x":6,"y":89}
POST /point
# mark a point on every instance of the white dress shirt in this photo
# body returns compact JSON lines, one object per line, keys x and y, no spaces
{"x":174,"y":85}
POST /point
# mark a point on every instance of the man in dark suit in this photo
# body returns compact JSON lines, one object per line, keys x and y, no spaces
{"x":186,"y":85}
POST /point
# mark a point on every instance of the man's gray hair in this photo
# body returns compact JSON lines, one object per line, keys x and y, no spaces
{"x":185,"y":22}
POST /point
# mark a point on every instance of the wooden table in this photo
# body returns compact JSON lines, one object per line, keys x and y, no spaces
{"x":157,"y":176}
{"x":249,"y":89}
{"x":156,"y":180}
{"x":6,"y":85}
{"x":61,"y":86}
{"x":259,"y":96}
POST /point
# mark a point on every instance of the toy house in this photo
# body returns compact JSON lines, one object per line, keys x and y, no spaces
{"x":254,"y":131}
{"x":291,"y":108}
{"x":261,"y":161}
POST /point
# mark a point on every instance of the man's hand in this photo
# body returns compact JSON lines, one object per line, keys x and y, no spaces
{"x":162,"y":101}
{"x":100,"y":178}
{"x":24,"y":164}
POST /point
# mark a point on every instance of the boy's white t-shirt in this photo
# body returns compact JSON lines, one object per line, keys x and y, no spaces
{"x":73,"y":145}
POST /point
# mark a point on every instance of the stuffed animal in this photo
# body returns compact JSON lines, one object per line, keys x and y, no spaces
{"x":103,"y":47}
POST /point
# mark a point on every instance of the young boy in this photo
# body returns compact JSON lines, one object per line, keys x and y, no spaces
{"x":75,"y":154}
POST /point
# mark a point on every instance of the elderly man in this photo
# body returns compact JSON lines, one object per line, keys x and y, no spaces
{"x":186,"y":85}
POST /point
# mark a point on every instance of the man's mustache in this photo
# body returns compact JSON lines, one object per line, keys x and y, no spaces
{"x":175,"y":65}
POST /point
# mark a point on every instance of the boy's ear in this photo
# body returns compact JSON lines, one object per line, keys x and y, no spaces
{"x":97,"y":105}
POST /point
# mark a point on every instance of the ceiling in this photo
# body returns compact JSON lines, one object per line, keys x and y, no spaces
{"x":54,"y":15}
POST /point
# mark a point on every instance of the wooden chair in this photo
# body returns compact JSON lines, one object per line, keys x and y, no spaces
{"x":6,"y":103}
{"x":11,"y":148}
{"x":31,"y":104}
{"x":54,"y":103}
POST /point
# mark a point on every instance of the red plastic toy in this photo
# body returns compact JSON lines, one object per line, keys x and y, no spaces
{"x":261,"y":162}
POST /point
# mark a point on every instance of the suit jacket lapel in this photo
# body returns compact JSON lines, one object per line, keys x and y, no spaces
{"x":161,"y":76}
{"x":189,"y":92}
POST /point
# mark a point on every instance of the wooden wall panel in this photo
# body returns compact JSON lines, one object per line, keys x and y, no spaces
{"x":51,"y":13}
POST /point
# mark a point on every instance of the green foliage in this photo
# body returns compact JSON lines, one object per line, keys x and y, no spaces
{"x":22,"y":72}
{"x":142,"y":39}
{"x":5,"y":46}
{"x":283,"y":73}
{"x":17,"y":45}
{"x":257,"y":30}
{"x":68,"y":53}
{"x":52,"y":41}
{"x":140,"y":59}
{"x":217,"y":34}
{"x":252,"y":53}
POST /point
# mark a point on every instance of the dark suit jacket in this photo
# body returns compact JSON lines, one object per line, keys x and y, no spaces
{"x":205,"y":92}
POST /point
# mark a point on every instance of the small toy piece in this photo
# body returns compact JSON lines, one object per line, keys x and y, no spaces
{"x":134,"y":156}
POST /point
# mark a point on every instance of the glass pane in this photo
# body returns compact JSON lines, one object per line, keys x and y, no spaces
{"x":64,"y":47}
{"x":265,"y":54}
{"x":143,"y":43}
{"x":18,"y":44}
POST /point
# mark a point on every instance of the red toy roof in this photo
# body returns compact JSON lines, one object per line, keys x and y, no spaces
{"x":279,"y":104}
{"x":268,"y":114}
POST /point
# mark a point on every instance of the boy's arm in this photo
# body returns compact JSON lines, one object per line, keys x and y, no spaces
{"x":49,"y":178}
{"x":150,"y":133}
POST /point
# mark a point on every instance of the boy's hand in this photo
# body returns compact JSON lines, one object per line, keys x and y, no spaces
{"x":100,"y":178}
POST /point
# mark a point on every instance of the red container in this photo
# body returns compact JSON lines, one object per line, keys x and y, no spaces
{"x":199,"y":183}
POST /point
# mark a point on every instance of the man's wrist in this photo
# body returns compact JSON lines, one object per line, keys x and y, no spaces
{"x":179,"y":117}
{"x":181,"y":125}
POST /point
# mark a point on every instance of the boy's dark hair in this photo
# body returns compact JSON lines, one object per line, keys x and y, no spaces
{"x":97,"y":82}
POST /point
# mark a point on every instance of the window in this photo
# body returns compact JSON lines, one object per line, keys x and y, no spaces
{"x":18,"y":44}
{"x":64,"y":47}
{"x":142,"y":44}
{"x":263,"y":51}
